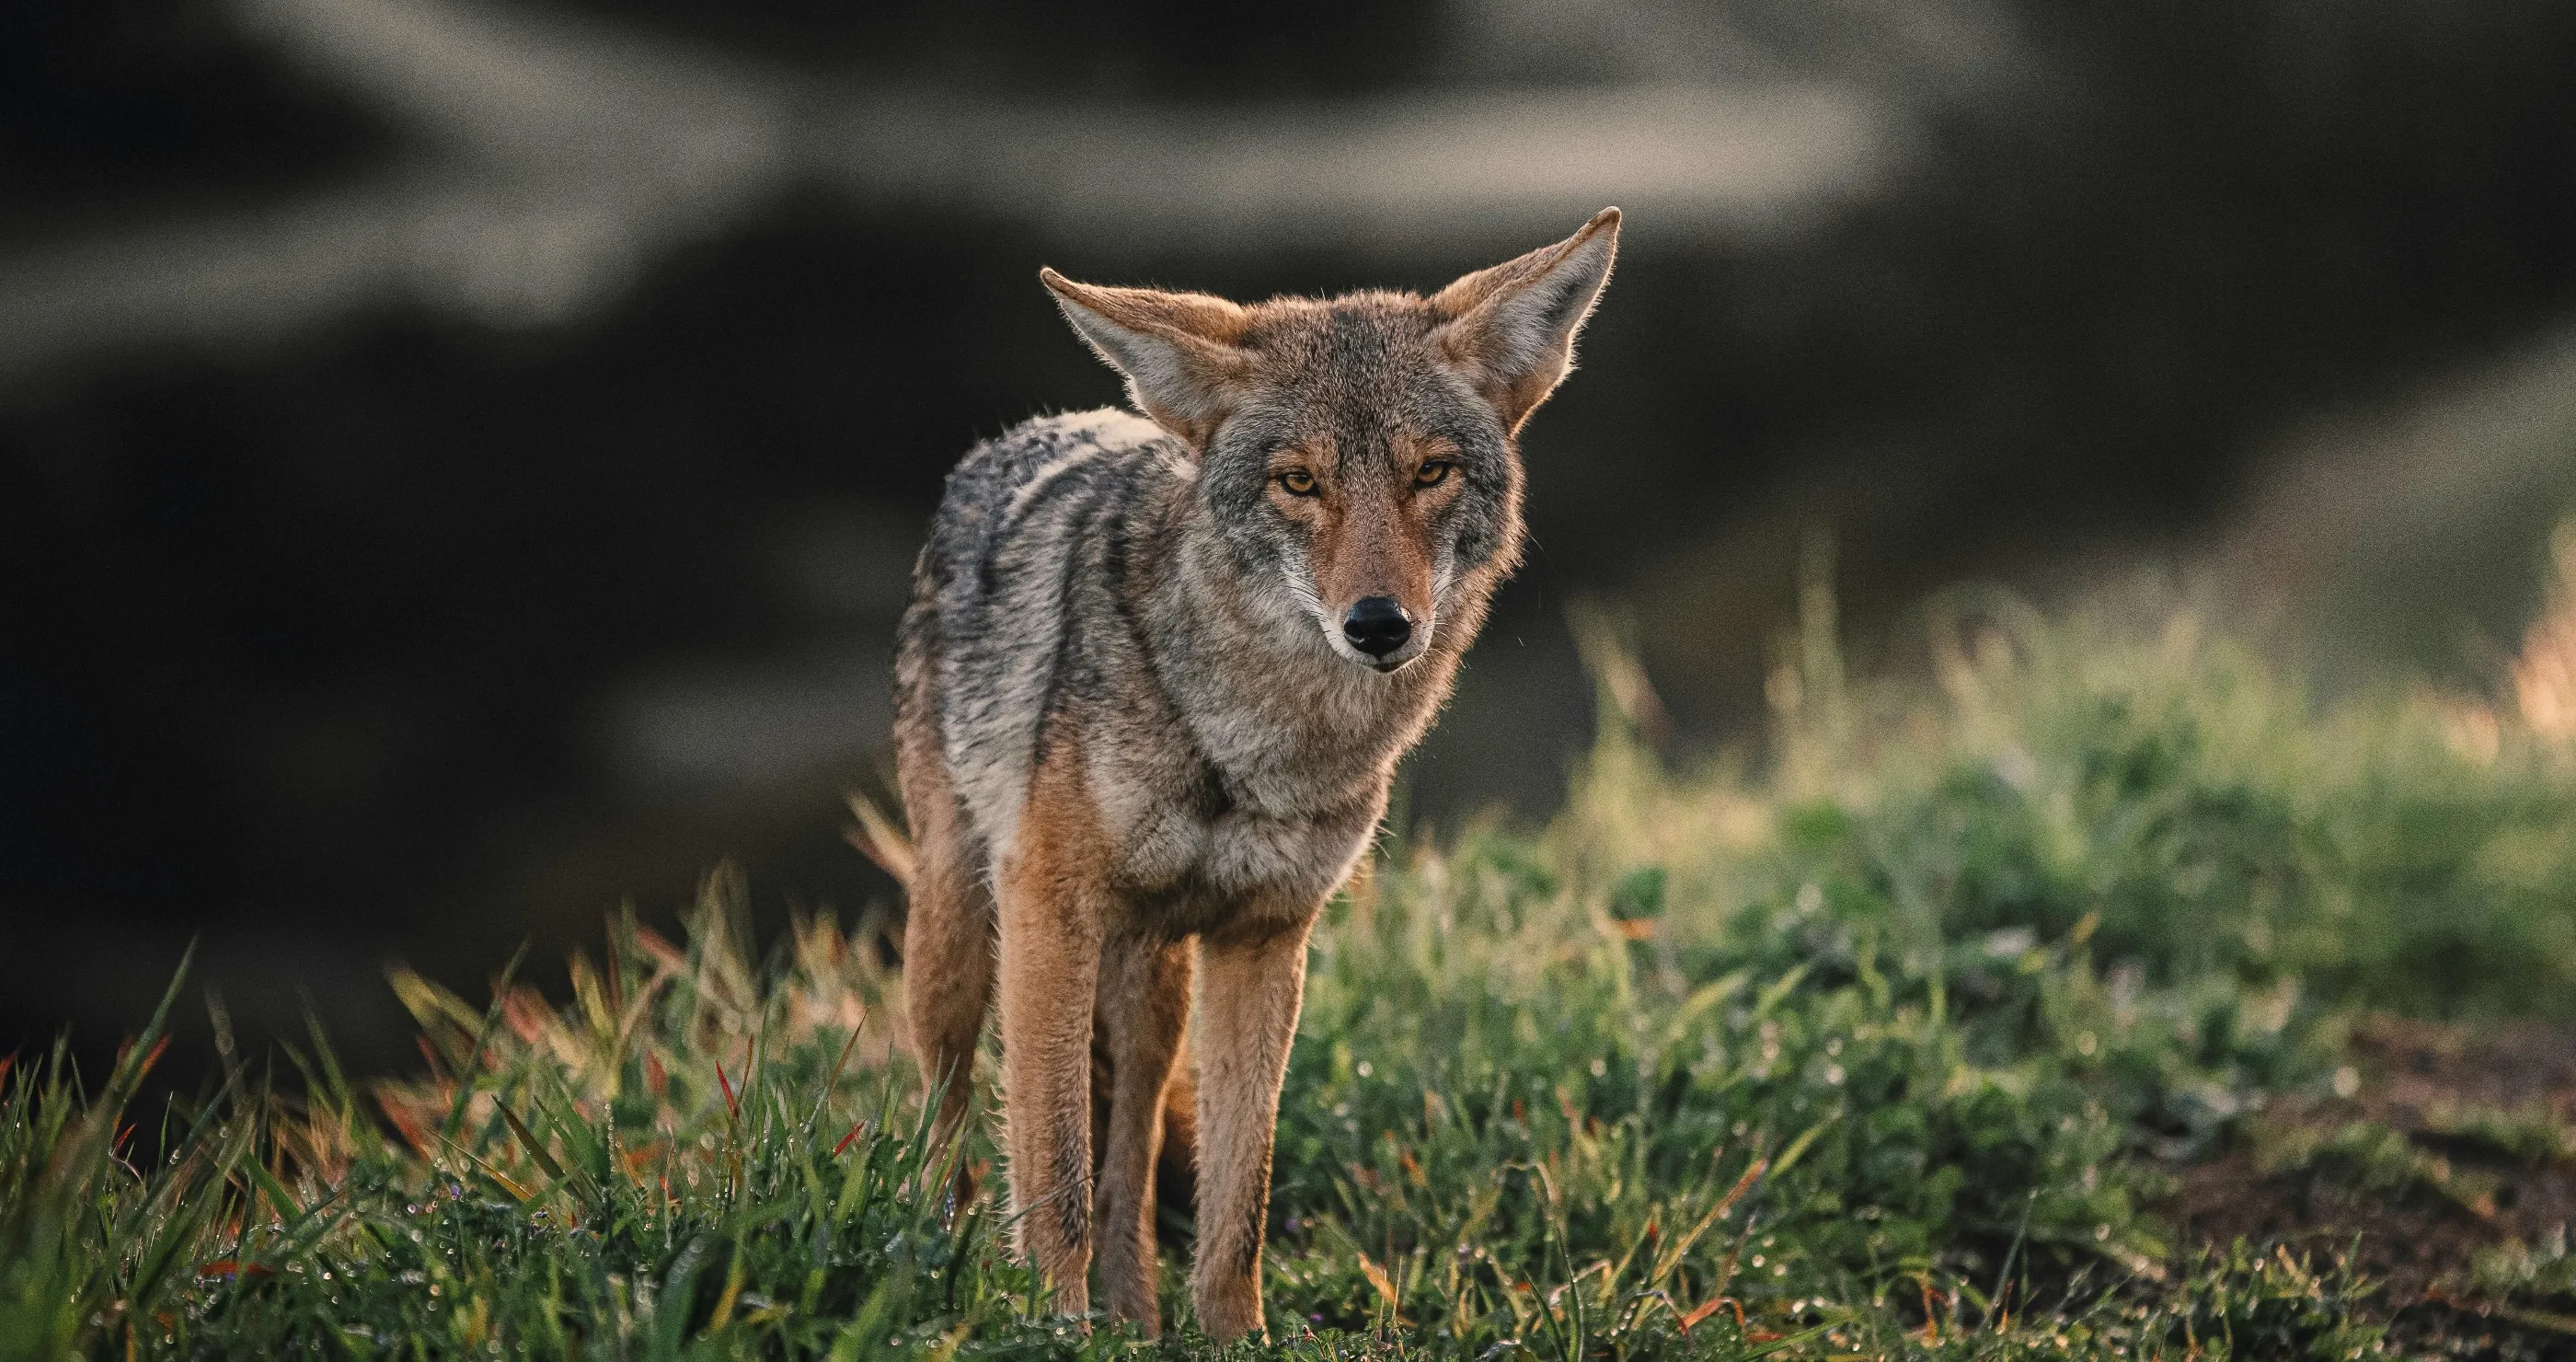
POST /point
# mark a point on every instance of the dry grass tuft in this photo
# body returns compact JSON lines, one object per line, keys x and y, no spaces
{"x":2544,"y":676}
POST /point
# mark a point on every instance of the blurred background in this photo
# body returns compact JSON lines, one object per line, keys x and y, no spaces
{"x":460,"y":462}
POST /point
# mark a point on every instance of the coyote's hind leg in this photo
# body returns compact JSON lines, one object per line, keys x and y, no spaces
{"x":947,"y":942}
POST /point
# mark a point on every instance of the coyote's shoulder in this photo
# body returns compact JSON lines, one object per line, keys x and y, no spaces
{"x":1151,"y":691}
{"x":1025,"y":550}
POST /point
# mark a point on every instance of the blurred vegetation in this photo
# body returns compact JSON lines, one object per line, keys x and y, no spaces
{"x":368,"y":612}
{"x":1890,"y":1047}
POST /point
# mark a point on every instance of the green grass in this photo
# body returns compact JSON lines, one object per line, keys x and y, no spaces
{"x":1886,"y":1046}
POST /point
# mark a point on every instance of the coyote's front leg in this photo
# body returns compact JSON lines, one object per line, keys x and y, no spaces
{"x":1252,"y":981}
{"x":1144,"y":1006}
{"x":1052,"y":902}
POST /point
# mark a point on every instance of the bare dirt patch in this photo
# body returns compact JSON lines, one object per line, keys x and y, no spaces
{"x":2442,"y":1142}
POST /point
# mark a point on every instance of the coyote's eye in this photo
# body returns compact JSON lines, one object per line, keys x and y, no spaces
{"x":1297,"y":482}
{"x":1432,"y":473}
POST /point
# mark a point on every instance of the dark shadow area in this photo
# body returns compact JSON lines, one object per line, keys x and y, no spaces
{"x":412,"y":636}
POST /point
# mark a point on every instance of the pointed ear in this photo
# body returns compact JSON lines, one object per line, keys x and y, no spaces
{"x":1177,"y":350}
{"x":1512,"y":327}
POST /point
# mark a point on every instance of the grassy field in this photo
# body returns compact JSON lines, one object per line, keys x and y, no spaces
{"x":2090,"y":990}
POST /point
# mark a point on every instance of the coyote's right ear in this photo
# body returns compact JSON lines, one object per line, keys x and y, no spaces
{"x":1177,"y":350}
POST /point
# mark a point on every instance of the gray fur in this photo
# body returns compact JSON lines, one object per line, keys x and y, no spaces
{"x":1078,"y":565}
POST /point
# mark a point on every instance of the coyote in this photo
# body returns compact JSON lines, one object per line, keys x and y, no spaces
{"x":1150,"y":692}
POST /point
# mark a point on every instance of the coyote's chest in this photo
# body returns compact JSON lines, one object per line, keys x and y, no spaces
{"x":1269,"y":792}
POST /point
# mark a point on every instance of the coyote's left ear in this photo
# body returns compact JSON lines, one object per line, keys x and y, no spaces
{"x":1177,"y":350}
{"x":1512,"y":327}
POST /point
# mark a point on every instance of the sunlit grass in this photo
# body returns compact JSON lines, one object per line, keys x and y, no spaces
{"x":1885,"y":1045}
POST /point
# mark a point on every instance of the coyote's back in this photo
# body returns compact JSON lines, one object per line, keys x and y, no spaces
{"x":1151,"y":691}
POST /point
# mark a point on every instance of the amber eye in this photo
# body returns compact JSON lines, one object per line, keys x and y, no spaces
{"x":1297,"y":482}
{"x":1432,"y":473}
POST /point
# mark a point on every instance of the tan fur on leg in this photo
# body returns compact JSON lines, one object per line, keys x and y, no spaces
{"x":1145,"y":1003}
{"x":1053,"y":900}
{"x":1176,"y":1167}
{"x":1252,"y":985}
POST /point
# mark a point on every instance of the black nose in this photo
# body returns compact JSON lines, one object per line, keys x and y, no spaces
{"x":1377,"y":625}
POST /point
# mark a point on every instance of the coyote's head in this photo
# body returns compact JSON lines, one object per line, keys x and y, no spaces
{"x":1359,"y":447}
